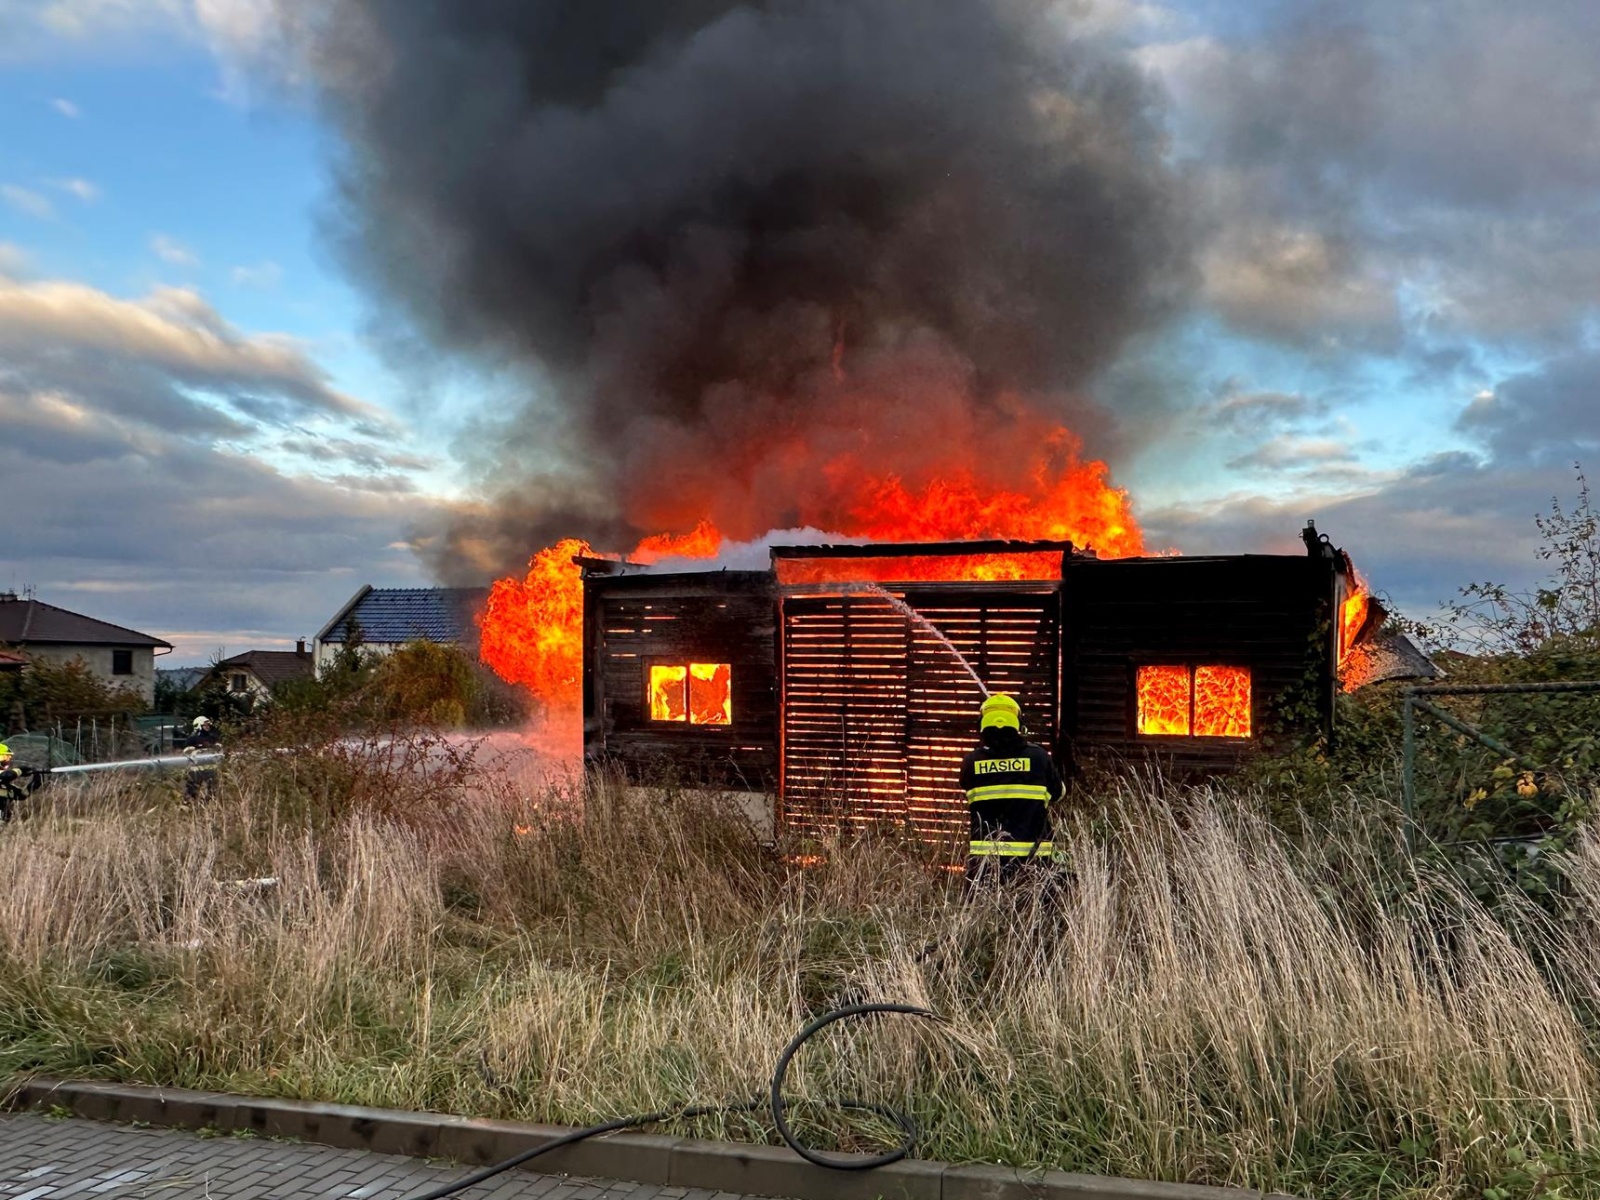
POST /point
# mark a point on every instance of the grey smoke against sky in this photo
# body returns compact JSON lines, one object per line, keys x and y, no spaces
{"x":677,"y":212}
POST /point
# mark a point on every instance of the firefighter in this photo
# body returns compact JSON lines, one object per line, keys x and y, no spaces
{"x":202,"y":777}
{"x":11,"y":776}
{"x":1010,"y":784}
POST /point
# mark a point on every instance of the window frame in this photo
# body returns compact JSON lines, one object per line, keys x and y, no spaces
{"x":1192,"y":666}
{"x":688,"y":723}
{"x":122,"y":659}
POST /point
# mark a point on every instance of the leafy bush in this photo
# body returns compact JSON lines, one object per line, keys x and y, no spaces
{"x":427,"y":684}
{"x":48,"y":691}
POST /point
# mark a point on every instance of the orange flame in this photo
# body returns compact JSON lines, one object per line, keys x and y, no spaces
{"x":531,"y":631}
{"x":1352,"y":616}
{"x":1222,"y":701}
{"x":695,"y":693}
{"x":532,"y":628}
{"x":989,"y":567}
{"x":668,"y":698}
{"x":1163,"y":700}
{"x":711,"y":693}
{"x":1218,"y":698}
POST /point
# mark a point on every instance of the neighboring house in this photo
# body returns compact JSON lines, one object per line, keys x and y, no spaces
{"x":181,"y":679}
{"x":256,"y":672}
{"x":388,"y":618}
{"x":121,"y":657}
{"x":12,"y":662}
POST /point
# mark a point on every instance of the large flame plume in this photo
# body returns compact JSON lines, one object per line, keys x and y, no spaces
{"x":532,"y":627}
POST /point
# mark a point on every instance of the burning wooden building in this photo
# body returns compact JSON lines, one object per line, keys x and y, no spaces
{"x":845,"y":679}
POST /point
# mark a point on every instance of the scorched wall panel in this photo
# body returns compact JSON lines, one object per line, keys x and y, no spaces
{"x":1268,"y":613}
{"x":635,"y":621}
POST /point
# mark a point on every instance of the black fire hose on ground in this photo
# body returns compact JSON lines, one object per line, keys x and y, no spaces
{"x":774,"y":1102}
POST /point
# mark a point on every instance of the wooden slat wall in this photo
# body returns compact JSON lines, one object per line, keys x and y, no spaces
{"x":877,"y":714}
{"x":725,"y":616}
{"x":1264,"y":612}
{"x":844,"y":699}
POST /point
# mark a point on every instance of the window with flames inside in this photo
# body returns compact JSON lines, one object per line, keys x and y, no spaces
{"x":692,"y":693}
{"x":1194,"y":701}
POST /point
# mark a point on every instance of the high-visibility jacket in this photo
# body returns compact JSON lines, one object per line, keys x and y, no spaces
{"x":1010,"y":785}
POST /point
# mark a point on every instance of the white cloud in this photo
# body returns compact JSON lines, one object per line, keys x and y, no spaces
{"x":152,"y":354}
{"x":262,"y":275}
{"x":13,"y":260}
{"x":1289,"y":453}
{"x":66,"y":108}
{"x":133,"y":421}
{"x":81,"y":20}
{"x":171,"y":250}
{"x":240,"y":28}
{"x":1296,"y":283}
{"x":81,"y":188}
{"x":29,"y":203}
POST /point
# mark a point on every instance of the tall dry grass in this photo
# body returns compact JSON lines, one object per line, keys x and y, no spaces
{"x":1196,"y":998}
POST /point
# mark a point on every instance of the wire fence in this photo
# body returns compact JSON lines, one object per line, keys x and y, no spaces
{"x":1498,"y":766}
{"x":96,"y":737}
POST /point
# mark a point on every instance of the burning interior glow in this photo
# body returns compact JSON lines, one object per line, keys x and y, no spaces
{"x":1222,"y":701}
{"x":1163,"y":700}
{"x":917,"y":568}
{"x":694,"y":693}
{"x":669,"y":693}
{"x":1180,"y":701}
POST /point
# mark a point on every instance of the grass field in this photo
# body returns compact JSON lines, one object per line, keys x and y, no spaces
{"x":1197,"y":998}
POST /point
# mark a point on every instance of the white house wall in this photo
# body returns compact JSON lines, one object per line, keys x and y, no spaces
{"x":98,"y":660}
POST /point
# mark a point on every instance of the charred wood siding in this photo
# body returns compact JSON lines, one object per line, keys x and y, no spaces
{"x":876,"y":712}
{"x":1269,"y":613}
{"x":715,"y":617}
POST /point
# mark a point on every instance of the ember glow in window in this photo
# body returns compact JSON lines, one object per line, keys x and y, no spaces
{"x":692,"y":693}
{"x":1209,"y":701}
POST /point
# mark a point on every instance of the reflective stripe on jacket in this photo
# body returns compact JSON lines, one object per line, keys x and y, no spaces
{"x":991,"y":849}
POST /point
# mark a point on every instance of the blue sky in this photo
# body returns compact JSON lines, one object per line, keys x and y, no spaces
{"x":214,"y":431}
{"x":131,"y":163}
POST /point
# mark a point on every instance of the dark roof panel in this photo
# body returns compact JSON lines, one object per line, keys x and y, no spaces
{"x":34,"y":623}
{"x":411,"y":614}
{"x":272,"y":667}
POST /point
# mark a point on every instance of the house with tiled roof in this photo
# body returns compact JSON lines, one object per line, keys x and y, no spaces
{"x":257,"y":673}
{"x":121,"y":657}
{"x":388,"y":618}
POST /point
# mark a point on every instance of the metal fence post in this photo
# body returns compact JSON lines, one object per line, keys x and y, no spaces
{"x":1408,"y":773}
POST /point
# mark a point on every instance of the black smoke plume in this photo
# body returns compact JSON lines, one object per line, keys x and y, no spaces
{"x":749,"y":232}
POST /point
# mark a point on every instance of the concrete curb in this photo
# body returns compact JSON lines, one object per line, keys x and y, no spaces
{"x":632,"y":1157}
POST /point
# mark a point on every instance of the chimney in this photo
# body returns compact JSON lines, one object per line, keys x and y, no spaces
{"x":300,"y":647}
{"x":8,"y":597}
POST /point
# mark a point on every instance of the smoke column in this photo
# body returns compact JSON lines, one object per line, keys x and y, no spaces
{"x":756,"y":258}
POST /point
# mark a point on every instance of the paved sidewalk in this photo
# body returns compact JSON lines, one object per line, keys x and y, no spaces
{"x":43,"y":1158}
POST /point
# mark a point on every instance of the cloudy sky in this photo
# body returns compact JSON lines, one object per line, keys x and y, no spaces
{"x":208,"y":431}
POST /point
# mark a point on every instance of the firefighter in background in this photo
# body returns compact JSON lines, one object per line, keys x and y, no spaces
{"x":12,"y":779}
{"x":1010,"y":785}
{"x":202,"y":777}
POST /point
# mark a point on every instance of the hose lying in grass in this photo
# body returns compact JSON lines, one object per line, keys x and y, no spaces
{"x":774,"y":1102}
